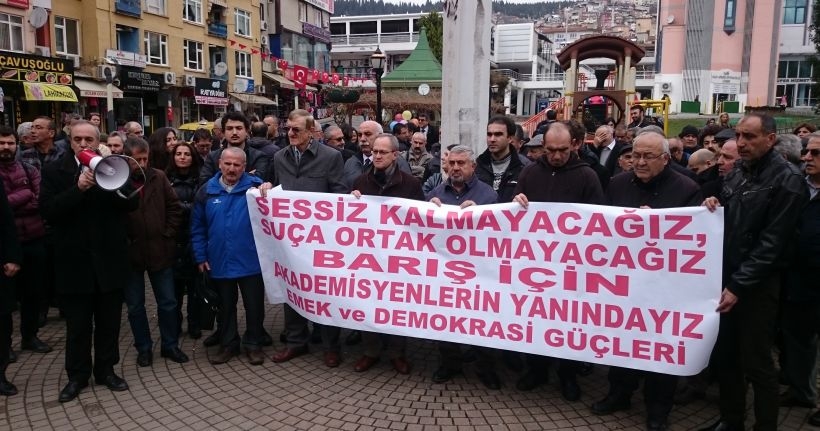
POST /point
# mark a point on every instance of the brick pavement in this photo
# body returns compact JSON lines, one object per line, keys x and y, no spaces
{"x":305,"y":395}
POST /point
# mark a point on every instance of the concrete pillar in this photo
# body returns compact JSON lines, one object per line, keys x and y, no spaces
{"x":519,"y":106}
{"x":465,"y":73}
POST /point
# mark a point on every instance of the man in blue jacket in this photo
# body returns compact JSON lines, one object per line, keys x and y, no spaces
{"x":223,"y":245}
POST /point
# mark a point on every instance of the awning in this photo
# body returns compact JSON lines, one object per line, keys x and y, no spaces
{"x":281,"y":80}
{"x":36,"y":91}
{"x":95,"y":89}
{"x":252,"y":99}
{"x":219,"y":2}
{"x":311,"y":88}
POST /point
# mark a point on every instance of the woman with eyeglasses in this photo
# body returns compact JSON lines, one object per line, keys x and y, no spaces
{"x":183,"y":173}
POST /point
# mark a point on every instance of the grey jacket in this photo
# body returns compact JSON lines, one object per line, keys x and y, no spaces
{"x":320,"y":170}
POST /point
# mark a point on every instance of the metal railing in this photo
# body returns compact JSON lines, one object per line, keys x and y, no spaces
{"x":373,"y":38}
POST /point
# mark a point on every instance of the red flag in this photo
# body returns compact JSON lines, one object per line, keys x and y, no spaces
{"x":335,"y":79}
{"x":242,"y":46}
{"x":254,"y":51}
{"x":325,"y":77}
{"x":300,"y":76}
{"x":345,"y":80}
{"x":233,"y":42}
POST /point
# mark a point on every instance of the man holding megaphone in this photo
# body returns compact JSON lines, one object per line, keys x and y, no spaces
{"x":91,"y":246}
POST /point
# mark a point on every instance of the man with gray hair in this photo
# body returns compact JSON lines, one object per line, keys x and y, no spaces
{"x":417,"y":156}
{"x":133,"y":128}
{"x":789,"y":147}
{"x":334,"y":138}
{"x":307,"y":166}
{"x":223,"y":246}
{"x":464,"y":189}
{"x":652,"y":184}
{"x":362,"y":162}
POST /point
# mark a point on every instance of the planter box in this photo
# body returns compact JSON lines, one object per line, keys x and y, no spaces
{"x":687,"y":107}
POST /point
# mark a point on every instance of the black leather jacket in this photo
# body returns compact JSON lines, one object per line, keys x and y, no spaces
{"x":763,"y":202}
{"x":509,"y":179}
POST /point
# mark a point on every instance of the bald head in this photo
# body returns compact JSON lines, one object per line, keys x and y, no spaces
{"x":701,"y":160}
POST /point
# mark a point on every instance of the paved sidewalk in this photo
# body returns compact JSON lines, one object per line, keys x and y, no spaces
{"x":305,"y":395}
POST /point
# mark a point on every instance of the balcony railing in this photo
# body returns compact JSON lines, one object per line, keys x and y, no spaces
{"x":373,"y":38}
{"x":542,"y":77}
{"x":645,"y":74}
{"x":128,"y":7}
{"x":218,"y":29}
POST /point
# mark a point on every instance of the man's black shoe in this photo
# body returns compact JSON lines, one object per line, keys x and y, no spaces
{"x":7,"y":388}
{"x":71,"y":390}
{"x":211,"y":340}
{"x":724,"y":426}
{"x":655,"y":425}
{"x":490,"y":379}
{"x":35,"y":345}
{"x":531,"y":380}
{"x":814,"y":419}
{"x":570,"y":389}
{"x":611,"y":404}
{"x":444,"y":374}
{"x":113,"y":382}
{"x":145,"y":359}
{"x":175,"y":355}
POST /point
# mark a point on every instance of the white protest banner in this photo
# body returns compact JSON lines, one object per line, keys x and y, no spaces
{"x":633,"y":288}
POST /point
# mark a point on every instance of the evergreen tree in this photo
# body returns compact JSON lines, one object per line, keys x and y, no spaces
{"x":433,"y":25}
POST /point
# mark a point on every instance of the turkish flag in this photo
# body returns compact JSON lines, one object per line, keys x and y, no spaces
{"x":345,"y":81}
{"x":335,"y":79}
{"x":300,"y":76}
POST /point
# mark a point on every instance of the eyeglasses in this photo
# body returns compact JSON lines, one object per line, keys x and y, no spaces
{"x":295,"y":130}
{"x":648,"y":156}
{"x":381,"y":152}
{"x":814,"y":152}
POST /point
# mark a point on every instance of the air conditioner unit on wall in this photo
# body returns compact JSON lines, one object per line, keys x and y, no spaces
{"x":190,"y":81}
{"x":264,"y":40}
{"x":666,"y":87}
{"x":102,"y":68}
{"x":42,"y":51}
{"x":264,"y":26}
{"x":170,"y":78}
{"x":260,"y":89}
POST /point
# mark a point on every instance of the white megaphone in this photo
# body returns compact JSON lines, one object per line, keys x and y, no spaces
{"x":110,"y":172}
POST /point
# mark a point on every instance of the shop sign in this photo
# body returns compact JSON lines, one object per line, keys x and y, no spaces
{"x":794,"y":81}
{"x":140,"y":81}
{"x":44,"y":92}
{"x":244,"y":85}
{"x":22,"y":4}
{"x":126,"y":58}
{"x":34,"y":68}
{"x":315,"y":32}
{"x":211,"y":92}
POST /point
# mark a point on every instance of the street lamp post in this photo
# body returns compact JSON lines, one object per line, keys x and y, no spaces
{"x":377,"y":61}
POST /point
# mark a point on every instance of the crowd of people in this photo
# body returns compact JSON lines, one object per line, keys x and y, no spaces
{"x":182,"y":219}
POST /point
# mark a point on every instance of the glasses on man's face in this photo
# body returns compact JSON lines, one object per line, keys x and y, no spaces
{"x":646,"y":156}
{"x":814,"y":152}
{"x":295,"y":130}
{"x":381,"y":152}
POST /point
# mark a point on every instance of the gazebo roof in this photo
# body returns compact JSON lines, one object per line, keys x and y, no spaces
{"x":612,"y":47}
{"x":421,"y":67}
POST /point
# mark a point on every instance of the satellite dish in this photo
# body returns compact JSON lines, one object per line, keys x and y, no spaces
{"x":38,"y":17}
{"x":220,"y":69}
{"x":670,"y":19}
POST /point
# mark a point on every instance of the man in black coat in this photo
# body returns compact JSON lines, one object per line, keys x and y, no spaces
{"x":91,"y":242}
{"x":11,"y":254}
{"x":500,"y":164}
{"x":429,"y":130}
{"x":651,"y":184}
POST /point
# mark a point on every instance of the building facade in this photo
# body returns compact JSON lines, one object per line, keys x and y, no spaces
{"x":171,"y":61}
{"x":718,"y":51}
{"x":794,"y":68}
